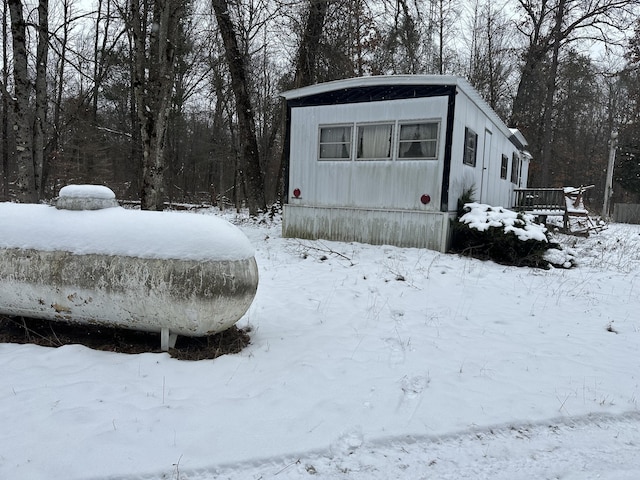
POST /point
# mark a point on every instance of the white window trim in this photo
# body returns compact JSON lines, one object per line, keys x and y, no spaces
{"x":394,"y":126}
{"x":437,"y":121}
{"x":395,"y":140}
{"x":475,"y":150}
{"x":351,"y":142}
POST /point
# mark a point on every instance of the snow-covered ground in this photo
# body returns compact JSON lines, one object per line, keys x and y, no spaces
{"x":366,"y":362}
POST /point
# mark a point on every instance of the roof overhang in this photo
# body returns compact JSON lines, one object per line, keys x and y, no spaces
{"x":518,"y":139}
{"x":372,"y":81}
{"x":339,"y":90}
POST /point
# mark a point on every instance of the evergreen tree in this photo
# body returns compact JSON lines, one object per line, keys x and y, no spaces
{"x":627,"y":168}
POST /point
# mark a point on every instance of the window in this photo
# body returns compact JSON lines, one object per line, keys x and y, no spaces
{"x":418,"y":140}
{"x":504,"y":167}
{"x":470,"y":147}
{"x":515,"y":169}
{"x":374,"y":142}
{"x":335,"y":143}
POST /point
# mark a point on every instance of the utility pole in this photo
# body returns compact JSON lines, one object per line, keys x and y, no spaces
{"x":608,"y":186}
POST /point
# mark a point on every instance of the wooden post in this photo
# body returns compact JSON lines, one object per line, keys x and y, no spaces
{"x":608,"y":186}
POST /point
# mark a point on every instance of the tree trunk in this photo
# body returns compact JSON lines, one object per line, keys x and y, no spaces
{"x":5,"y":109}
{"x":551,"y":85}
{"x":527,"y":109}
{"x":305,"y":73}
{"x":57,"y":107}
{"x":39,"y":123}
{"x":153,"y":84}
{"x":248,"y":143}
{"x":309,"y":43}
{"x":25,"y":181}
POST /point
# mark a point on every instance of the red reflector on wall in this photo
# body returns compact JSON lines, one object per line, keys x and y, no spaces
{"x":425,"y":199}
{"x":296,"y":192}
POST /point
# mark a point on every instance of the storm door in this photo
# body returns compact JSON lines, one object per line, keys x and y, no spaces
{"x":486,"y":163}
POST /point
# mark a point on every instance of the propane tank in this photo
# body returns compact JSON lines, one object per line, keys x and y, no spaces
{"x":87,"y":260}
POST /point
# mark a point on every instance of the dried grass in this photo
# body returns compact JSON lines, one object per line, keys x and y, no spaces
{"x":55,"y":334}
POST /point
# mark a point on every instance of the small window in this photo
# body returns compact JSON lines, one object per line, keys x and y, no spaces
{"x":335,"y":143}
{"x":374,"y":142}
{"x":470,"y":147}
{"x":418,"y":140}
{"x":504,"y":167}
{"x":515,"y":168}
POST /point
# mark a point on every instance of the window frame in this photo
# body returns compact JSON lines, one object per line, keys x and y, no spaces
{"x":515,"y":168}
{"x":364,"y":125}
{"x":436,"y":140}
{"x":504,"y":167}
{"x":395,"y":142}
{"x":468,"y":151}
{"x":348,"y":143}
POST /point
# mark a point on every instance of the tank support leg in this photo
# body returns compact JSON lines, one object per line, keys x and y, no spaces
{"x":167,"y":339}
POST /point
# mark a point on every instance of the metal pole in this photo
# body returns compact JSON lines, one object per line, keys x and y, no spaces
{"x":608,"y":186}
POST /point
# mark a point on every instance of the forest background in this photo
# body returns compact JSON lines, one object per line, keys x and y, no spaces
{"x":177,"y":100}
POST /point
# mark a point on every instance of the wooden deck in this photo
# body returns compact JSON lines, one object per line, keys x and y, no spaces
{"x":566,"y":202}
{"x":540,"y":201}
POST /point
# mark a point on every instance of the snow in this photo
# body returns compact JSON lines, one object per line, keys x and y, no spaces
{"x":86,"y":191}
{"x":481,"y":217}
{"x":366,"y":362}
{"x":118,"y":231}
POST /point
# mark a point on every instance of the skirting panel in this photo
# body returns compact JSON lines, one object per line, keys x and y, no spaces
{"x":402,"y":228}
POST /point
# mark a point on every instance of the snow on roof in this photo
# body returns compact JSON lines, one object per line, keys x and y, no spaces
{"x":379,"y":80}
{"x":117,"y":231}
{"x":518,"y":139}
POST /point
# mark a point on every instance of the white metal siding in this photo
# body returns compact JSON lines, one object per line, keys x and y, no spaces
{"x":394,"y":184}
{"x":378,"y":201}
{"x":496,"y":191}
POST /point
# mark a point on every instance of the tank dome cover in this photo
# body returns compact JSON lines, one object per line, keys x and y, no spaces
{"x":86,"y":197}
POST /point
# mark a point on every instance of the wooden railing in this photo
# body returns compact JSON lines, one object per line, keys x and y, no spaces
{"x":567,"y":202}
{"x":541,"y":200}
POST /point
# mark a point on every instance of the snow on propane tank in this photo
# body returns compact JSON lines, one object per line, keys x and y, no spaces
{"x":88,"y":260}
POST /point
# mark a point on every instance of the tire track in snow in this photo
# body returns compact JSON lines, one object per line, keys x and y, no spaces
{"x":580,"y":448}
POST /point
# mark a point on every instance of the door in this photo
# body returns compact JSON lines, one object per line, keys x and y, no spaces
{"x":484,"y":196}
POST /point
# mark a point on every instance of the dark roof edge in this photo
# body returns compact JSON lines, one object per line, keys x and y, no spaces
{"x":328,"y":92}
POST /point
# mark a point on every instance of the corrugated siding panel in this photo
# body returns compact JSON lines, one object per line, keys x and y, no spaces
{"x":497,"y":191}
{"x":395,"y":184}
{"x":377,"y":227}
{"x":626,"y":213}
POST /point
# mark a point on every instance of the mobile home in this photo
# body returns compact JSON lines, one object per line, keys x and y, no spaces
{"x":384,"y":159}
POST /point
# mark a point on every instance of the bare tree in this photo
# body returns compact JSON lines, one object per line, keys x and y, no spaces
{"x":29,"y":121}
{"x":253,"y":180}
{"x":550,"y":26}
{"x":348,"y":42}
{"x":442,"y":19}
{"x":308,"y":46}
{"x":491,"y":62}
{"x":41,"y":98}
{"x":5,"y":105}
{"x":153,"y":77}
{"x":402,"y":47}
{"x":25,"y":181}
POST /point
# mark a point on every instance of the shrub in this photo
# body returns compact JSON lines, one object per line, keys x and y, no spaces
{"x":501,"y":235}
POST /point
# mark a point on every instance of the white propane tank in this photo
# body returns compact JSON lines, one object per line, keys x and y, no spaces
{"x":88,"y":260}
